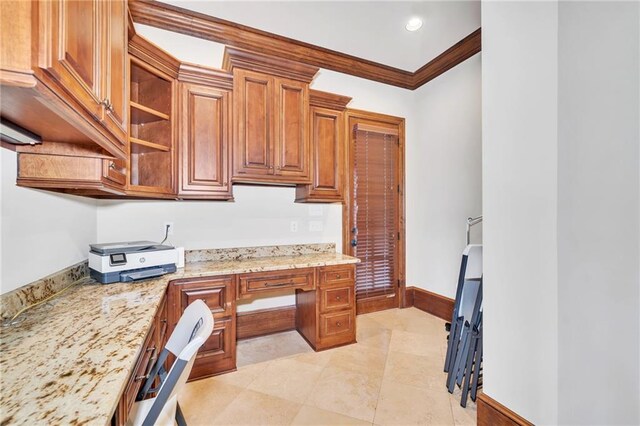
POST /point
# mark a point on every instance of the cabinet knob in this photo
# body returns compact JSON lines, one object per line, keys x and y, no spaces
{"x":338,"y":323}
{"x":338,"y":276}
{"x":112,"y":165}
{"x":337,"y":297}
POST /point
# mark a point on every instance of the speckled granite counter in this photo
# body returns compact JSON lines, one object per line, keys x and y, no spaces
{"x":68,"y":361}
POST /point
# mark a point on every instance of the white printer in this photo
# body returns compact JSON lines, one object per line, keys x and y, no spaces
{"x":130,"y":261}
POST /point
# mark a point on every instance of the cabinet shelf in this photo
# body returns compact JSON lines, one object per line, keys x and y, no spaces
{"x":141,"y":114}
{"x":139,"y":145}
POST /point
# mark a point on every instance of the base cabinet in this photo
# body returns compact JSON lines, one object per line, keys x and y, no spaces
{"x":326,"y":317}
{"x":218,"y":354}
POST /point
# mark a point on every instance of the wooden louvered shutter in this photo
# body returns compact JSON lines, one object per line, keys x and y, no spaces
{"x":375,"y":210}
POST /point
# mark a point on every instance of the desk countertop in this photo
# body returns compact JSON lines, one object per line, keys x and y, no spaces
{"x":68,"y":360}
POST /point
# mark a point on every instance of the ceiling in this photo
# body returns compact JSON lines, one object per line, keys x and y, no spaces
{"x":372,"y":30}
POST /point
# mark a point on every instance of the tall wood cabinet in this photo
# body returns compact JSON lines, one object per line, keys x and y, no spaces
{"x":271,"y":118}
{"x":328,"y":149}
{"x":204,"y":133}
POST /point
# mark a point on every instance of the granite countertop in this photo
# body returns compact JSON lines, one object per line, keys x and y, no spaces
{"x":68,"y":360}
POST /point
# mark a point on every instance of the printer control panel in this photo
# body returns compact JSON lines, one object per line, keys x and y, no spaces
{"x":117,"y":259}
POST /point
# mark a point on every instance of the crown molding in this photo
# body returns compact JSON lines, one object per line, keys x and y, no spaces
{"x":239,"y":58}
{"x":328,"y":100}
{"x":200,"y":74}
{"x":184,"y":21}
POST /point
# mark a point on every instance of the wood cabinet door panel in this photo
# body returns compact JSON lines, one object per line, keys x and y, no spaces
{"x":204,"y":120}
{"x":292,"y":138}
{"x":327,"y":151}
{"x":70,"y":51}
{"x":218,"y":354}
{"x":115,"y":76}
{"x":254,"y":131}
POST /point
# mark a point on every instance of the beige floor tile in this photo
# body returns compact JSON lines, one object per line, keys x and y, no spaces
{"x":346,"y":392}
{"x":243,"y":376}
{"x":256,"y":408}
{"x":359,"y":359}
{"x":267,"y":348}
{"x":414,"y":343}
{"x":288,"y":379}
{"x":320,"y":359}
{"x":401,"y":404}
{"x":463,"y":416}
{"x":374,"y":337}
{"x":201,"y":401}
{"x":313,"y":416}
{"x":416,"y":370}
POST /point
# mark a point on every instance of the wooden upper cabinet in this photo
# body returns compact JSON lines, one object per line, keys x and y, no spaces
{"x":115,"y":102}
{"x":271,"y":118}
{"x":252,"y":112}
{"x":292,"y":138}
{"x":204,"y":135}
{"x":327,"y":149}
{"x":71,"y":51}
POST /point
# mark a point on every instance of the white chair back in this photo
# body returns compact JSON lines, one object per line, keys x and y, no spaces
{"x":193,"y":329}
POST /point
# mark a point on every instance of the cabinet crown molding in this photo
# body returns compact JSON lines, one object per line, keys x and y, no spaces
{"x":199,"y":74}
{"x":328,"y":100}
{"x":153,"y":55}
{"x":253,"y":61}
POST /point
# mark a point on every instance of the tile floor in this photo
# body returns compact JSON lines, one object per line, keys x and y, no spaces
{"x":392,"y":376}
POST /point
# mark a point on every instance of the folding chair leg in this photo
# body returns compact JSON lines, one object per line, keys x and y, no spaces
{"x":179,"y":416}
{"x":468,"y":369}
{"x":454,"y":339}
{"x":458,"y":361}
{"x":476,"y":370}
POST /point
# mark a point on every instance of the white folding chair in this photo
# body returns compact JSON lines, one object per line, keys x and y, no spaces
{"x":193,"y":329}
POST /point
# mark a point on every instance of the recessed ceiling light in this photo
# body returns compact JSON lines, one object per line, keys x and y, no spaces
{"x":414,"y":24}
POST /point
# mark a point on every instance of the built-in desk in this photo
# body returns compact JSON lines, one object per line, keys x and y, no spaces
{"x":71,"y":360}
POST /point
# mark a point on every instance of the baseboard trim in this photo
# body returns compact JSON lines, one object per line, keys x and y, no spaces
{"x":265,"y":321}
{"x":492,"y":413}
{"x":435,"y":304}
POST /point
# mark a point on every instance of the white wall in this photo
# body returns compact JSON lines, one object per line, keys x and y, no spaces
{"x":519,"y":172}
{"x":445,"y":183}
{"x":561,"y":185}
{"x":41,"y":232}
{"x":598,"y":213}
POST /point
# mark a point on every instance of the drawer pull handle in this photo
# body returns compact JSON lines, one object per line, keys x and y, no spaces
{"x":152,"y":362}
{"x":277,"y":284}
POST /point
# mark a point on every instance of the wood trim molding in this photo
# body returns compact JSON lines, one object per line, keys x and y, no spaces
{"x":265,"y":321}
{"x":183,"y":21}
{"x":151,"y":54}
{"x":432,"y":303}
{"x":492,"y":413}
{"x":328,"y":100}
{"x":200,"y":74}
{"x":456,"y":54}
{"x":252,"y":61}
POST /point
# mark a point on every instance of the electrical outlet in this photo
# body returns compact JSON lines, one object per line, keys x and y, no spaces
{"x":293,"y":226}
{"x":315,"y":226}
{"x":164,"y":228}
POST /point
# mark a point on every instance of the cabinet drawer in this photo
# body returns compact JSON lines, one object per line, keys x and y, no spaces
{"x":217,"y":293}
{"x":337,"y":324}
{"x":336,"y":298}
{"x":257,"y":283}
{"x":337,"y":274}
{"x":145,"y":362}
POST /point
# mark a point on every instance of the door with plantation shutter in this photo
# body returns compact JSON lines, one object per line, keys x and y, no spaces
{"x":375,"y":214}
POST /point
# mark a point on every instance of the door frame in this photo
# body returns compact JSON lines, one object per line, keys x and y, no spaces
{"x":397,"y":124}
